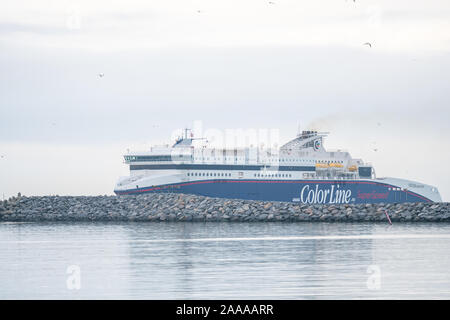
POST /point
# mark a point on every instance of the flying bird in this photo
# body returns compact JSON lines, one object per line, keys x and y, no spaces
{"x":101,"y":75}
{"x":367,"y":44}
{"x":270,"y":2}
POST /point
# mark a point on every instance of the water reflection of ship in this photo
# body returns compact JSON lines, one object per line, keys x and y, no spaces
{"x":242,"y":269}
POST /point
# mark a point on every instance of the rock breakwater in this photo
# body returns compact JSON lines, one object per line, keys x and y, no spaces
{"x":184,"y":207}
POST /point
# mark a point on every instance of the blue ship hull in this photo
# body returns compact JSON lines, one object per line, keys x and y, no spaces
{"x":302,"y":191}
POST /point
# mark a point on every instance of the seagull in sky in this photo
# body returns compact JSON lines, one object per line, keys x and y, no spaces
{"x":367,"y":44}
{"x":101,"y":75}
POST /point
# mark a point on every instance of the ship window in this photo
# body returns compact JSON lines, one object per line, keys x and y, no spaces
{"x":188,"y":174}
{"x":151,"y":158}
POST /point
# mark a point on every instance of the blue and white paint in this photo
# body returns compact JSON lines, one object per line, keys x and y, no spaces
{"x":302,"y":172}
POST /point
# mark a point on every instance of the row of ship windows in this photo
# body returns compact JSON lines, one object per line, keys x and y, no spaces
{"x":180,"y":157}
{"x":277,"y":160}
{"x":328,"y":161}
{"x":277,"y":175}
{"x":207,"y":174}
{"x":257,"y":175}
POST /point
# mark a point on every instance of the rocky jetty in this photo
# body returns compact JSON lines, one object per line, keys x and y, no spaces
{"x":184,"y":207}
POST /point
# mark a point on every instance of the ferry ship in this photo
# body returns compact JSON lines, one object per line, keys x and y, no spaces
{"x":302,"y":170}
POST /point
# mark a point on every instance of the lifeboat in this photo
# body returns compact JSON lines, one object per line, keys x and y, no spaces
{"x":352,"y":168}
{"x":322,"y":165}
{"x":336,"y":165}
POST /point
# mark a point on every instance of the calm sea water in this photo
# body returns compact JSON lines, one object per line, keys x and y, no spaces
{"x":224,"y":261}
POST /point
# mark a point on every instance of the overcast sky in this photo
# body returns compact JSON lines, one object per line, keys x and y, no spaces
{"x":230,"y":65}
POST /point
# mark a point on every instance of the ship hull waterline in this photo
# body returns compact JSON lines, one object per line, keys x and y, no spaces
{"x":302,"y":191}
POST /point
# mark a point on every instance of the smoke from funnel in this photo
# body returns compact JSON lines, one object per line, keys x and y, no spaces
{"x":326,"y":123}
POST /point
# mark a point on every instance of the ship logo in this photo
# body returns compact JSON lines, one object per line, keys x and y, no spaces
{"x":330,"y":195}
{"x":317,"y":144}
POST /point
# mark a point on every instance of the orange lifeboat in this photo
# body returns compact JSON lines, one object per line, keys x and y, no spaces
{"x":336,"y":165}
